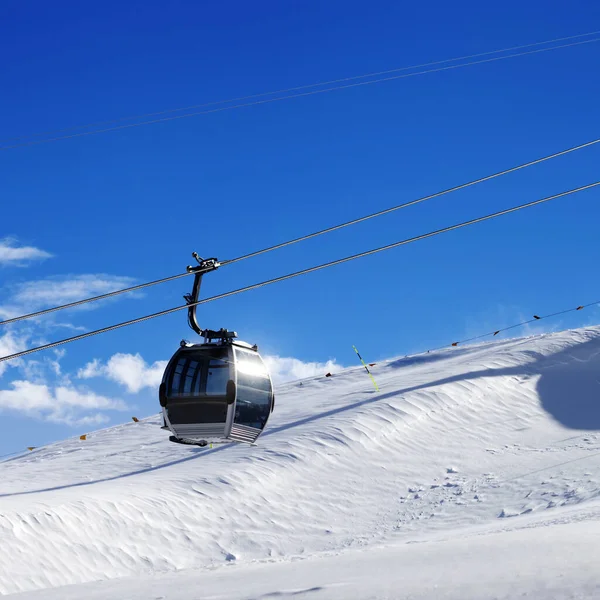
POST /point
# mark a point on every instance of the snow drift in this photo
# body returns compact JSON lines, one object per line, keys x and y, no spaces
{"x":457,"y":443}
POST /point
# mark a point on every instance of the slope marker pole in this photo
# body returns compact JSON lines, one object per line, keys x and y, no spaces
{"x":365,"y":366}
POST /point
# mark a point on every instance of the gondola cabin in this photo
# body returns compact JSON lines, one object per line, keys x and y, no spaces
{"x":216,"y":391}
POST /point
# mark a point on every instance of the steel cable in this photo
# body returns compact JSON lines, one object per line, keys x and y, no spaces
{"x":306,"y":237}
{"x":298,"y":273}
{"x":291,"y":96}
{"x":291,"y":89}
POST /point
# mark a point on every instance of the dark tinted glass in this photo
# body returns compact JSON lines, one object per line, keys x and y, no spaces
{"x":216,"y":379}
{"x":199,"y":373}
{"x":204,"y":411}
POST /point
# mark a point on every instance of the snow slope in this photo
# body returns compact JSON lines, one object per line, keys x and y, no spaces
{"x":434,"y":487}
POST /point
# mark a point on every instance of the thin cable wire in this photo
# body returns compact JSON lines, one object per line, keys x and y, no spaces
{"x":309,"y":236}
{"x":411,"y":202}
{"x":503,"y":329}
{"x":288,"y":97}
{"x":292,"y":89}
{"x":298,"y":273}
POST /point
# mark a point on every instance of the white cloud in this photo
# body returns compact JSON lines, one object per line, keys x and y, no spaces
{"x":129,"y":370}
{"x":33,"y":367}
{"x":92,"y":369}
{"x":26,"y":397}
{"x":59,"y":405}
{"x":63,"y":290}
{"x":8,"y":312}
{"x":10,"y":344}
{"x":13,"y":254}
{"x":290,"y":369}
{"x":132,"y":371}
{"x":58,"y":401}
{"x":30,"y":296}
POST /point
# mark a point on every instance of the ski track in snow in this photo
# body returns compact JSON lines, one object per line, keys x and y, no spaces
{"x":495,"y":437}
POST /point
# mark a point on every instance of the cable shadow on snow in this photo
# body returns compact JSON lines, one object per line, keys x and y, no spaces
{"x":568,"y":389}
{"x":198,"y":453}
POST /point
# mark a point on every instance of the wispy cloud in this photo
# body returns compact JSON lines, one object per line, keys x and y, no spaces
{"x":539,"y":327}
{"x":590,"y":315}
{"x":128,"y":370}
{"x":30,"y":296}
{"x":10,"y":343}
{"x":61,"y":404}
{"x":37,"y":367}
{"x":13,"y":254}
{"x":52,"y":291}
{"x":40,"y":388}
{"x":70,"y":326}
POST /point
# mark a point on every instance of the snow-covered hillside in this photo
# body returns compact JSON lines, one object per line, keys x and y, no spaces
{"x":441,"y":485}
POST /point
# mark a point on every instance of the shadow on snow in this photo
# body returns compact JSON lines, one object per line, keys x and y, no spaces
{"x":568,"y":389}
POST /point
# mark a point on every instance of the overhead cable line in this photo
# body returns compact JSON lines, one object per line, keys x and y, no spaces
{"x":412,"y":202}
{"x":292,"y":89}
{"x":297,"y":273}
{"x":290,"y":96}
{"x":535,"y":319}
{"x":305,"y":237}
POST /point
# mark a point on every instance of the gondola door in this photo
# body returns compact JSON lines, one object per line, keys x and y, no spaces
{"x":198,"y":405}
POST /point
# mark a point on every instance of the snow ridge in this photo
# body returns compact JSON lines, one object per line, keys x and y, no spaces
{"x":485,"y":438}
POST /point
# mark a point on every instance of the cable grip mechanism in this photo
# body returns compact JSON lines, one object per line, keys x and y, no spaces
{"x":205,"y":265}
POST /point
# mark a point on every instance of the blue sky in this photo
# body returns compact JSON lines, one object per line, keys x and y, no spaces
{"x":86,"y":215}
